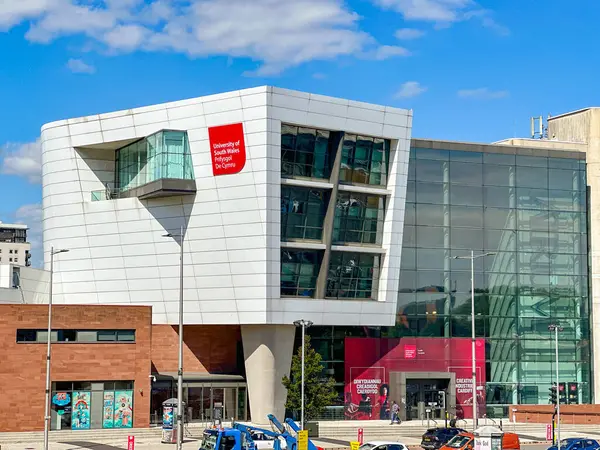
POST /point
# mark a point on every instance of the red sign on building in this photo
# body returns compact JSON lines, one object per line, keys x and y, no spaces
{"x":410,"y":351}
{"x":227,"y":148}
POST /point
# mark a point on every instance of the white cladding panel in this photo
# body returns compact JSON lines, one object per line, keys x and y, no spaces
{"x":117,"y":252}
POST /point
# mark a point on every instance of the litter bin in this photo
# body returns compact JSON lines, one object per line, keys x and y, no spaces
{"x":169,"y":422}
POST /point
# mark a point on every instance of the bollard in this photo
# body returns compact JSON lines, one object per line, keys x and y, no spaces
{"x":130,"y":442}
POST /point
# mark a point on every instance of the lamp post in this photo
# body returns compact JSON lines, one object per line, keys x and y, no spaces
{"x":473,"y":257}
{"x":304,"y":324}
{"x":49,"y":347}
{"x":180,"y":359}
{"x":556,"y":328}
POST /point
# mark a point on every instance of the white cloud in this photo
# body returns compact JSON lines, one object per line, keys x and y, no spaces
{"x":407,"y":34}
{"x":389,"y":51}
{"x":23,"y":160}
{"x":443,"y":12}
{"x":276,"y":34}
{"x":80,"y":66}
{"x":31,"y":215}
{"x":482,"y":94}
{"x":319,"y":76}
{"x":410,"y":89}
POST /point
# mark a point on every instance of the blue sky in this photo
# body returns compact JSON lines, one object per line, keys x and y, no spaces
{"x":472,"y":71}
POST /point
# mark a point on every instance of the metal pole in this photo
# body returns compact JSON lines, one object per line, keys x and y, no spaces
{"x":557,"y":390}
{"x":302,"y":387}
{"x":473,"y":366}
{"x":180,"y":368}
{"x":48,"y":354}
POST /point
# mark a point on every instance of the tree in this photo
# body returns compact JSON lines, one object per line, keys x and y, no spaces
{"x":319,"y":391}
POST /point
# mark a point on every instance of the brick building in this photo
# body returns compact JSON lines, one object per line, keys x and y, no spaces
{"x":100,"y":353}
{"x":104,"y":356}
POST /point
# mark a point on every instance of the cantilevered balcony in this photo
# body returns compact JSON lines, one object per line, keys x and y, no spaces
{"x":159,"y":165}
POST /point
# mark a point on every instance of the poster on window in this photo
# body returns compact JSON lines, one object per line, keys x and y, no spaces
{"x":123,"y":409}
{"x":108,"y":410}
{"x":370,"y":361}
{"x":80,"y":418}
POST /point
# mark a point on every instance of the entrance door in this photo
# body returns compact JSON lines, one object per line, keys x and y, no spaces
{"x":422,"y":395}
{"x":230,"y":403}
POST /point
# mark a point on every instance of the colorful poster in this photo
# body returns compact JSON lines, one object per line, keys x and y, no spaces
{"x":123,"y":409}
{"x":61,"y":398}
{"x":80,"y":416}
{"x":369,"y":361}
{"x":108,"y":410}
{"x":167,"y":417}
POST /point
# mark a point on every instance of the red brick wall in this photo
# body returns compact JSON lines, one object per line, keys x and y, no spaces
{"x":23,"y":366}
{"x":570,"y":414}
{"x":207,"y":348}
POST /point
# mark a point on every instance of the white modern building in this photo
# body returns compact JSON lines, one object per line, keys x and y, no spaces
{"x":14,"y":248}
{"x":262,"y":182}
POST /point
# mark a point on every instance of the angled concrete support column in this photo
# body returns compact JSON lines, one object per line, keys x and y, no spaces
{"x":268,"y":356}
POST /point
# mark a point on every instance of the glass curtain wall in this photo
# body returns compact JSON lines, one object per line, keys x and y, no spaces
{"x":530,"y":211}
{"x":165,"y":154}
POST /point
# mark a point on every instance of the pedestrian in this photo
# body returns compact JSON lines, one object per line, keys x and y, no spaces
{"x":395,"y":411}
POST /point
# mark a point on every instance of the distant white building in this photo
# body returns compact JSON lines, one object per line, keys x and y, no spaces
{"x":14,"y":248}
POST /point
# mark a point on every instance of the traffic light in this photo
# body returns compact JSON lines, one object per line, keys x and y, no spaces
{"x":552,"y":394}
{"x":442,"y":399}
{"x":562,"y":393}
{"x":573,"y":393}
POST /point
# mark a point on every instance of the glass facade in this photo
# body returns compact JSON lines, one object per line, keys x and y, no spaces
{"x":165,"y":154}
{"x":365,"y":160}
{"x":358,"y":218}
{"x":299,"y":272}
{"x":352,"y":275}
{"x":531,"y":213}
{"x":302,"y":213}
{"x":307,"y":152}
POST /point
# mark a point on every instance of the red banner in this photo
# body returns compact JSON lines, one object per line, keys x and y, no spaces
{"x":369,"y":362}
{"x":227,"y":148}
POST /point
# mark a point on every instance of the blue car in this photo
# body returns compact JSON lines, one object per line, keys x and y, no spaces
{"x":577,"y":444}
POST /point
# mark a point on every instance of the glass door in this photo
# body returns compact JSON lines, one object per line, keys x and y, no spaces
{"x":230,"y":404}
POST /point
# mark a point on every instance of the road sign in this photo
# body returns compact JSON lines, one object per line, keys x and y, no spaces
{"x":354,"y":445}
{"x":548,"y":432}
{"x":360,"y":436}
{"x":130,"y":442}
{"x":303,"y":440}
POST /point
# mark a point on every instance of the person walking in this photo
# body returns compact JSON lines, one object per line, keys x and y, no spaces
{"x":395,"y":411}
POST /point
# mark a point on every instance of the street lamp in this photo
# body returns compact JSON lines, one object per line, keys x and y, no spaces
{"x":180,"y":363}
{"x":556,"y":328}
{"x":304,"y":324}
{"x":473,"y":365}
{"x":49,"y":348}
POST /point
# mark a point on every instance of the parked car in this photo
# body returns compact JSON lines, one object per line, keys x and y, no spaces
{"x":577,"y":444}
{"x":434,"y":438}
{"x":383,"y":445}
{"x":466,"y":441}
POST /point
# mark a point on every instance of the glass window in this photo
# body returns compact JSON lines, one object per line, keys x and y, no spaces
{"x":466,"y":216}
{"x":499,"y":158}
{"x":466,"y":195}
{"x":431,"y":170}
{"x":499,"y":218}
{"x":566,"y":200}
{"x":26,"y":335}
{"x":432,"y":237}
{"x":87,"y":336}
{"x":498,"y":175}
{"x":365,"y":160}
{"x":431,"y":258}
{"x":410,"y":214}
{"x":500,"y":240}
{"x":565,"y":180}
{"x":409,"y":258}
{"x":533,"y":161}
{"x":411,"y":195}
{"x":432,"y":215}
{"x":409,"y":236}
{"x":464,"y":173}
{"x":306,"y":152}
{"x":466,"y":238}
{"x":126,"y":335}
{"x":532,"y":177}
{"x":470,"y":157}
{"x":359,"y":218}
{"x":353,"y":275}
{"x":532,"y":220}
{"x":427,"y":153}
{"x":430,"y":193}
{"x":302,"y":213}
{"x":107,"y":335}
{"x":501,"y":197}
{"x":299,"y":272}
{"x":528,"y":198}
